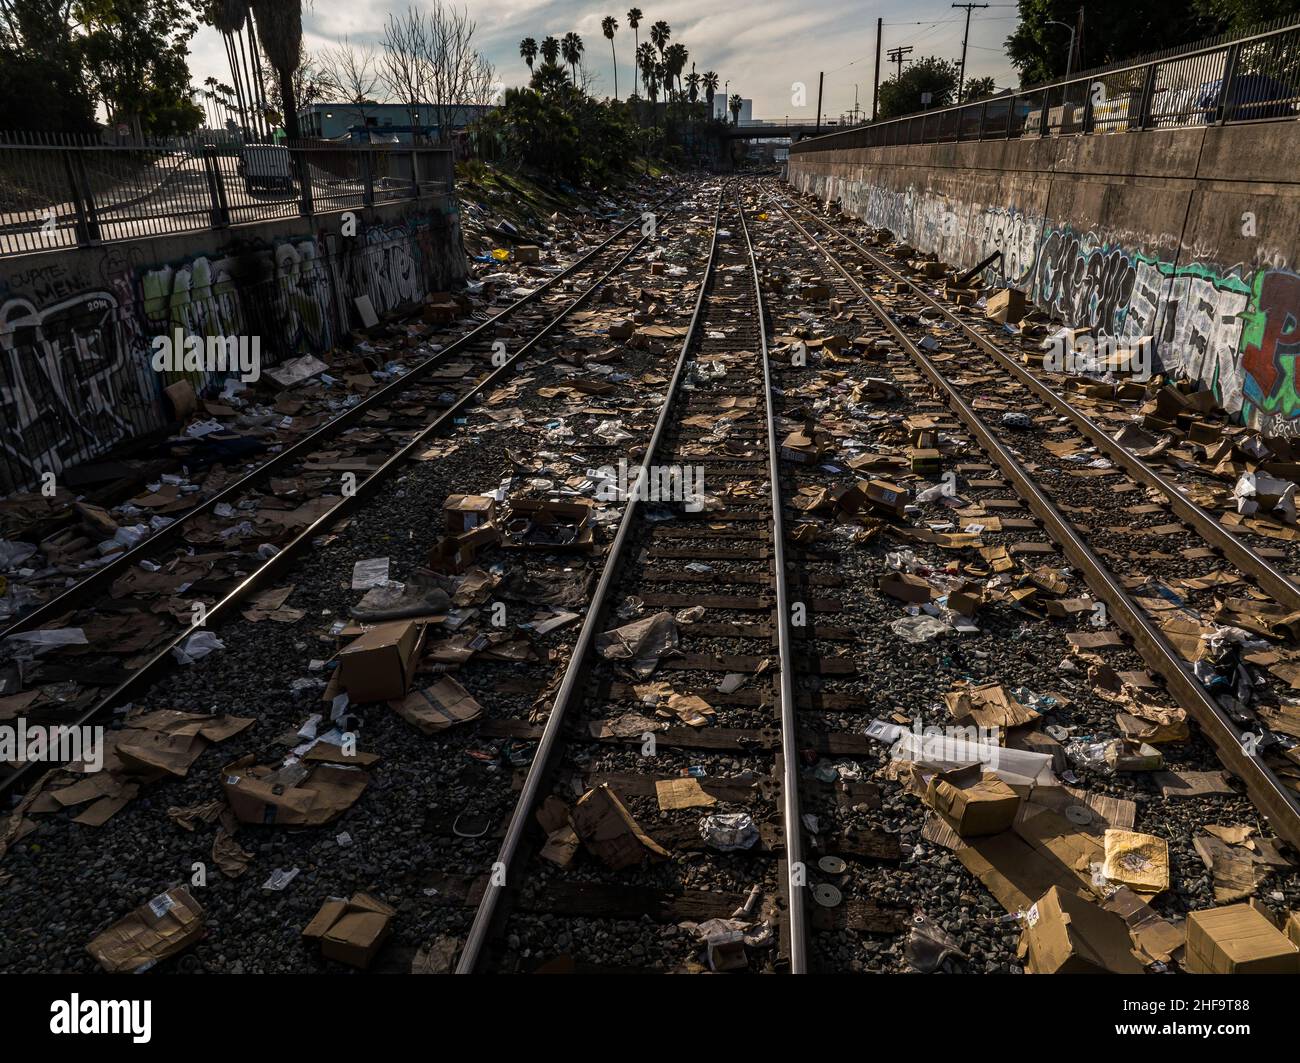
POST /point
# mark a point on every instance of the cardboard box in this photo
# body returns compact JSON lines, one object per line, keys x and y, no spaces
{"x":462,"y":513}
{"x":1238,"y":939}
{"x":973,"y":802}
{"x":906,"y":587}
{"x":535,"y":524}
{"x":804,"y":446}
{"x":1006,"y":307}
{"x":1293,"y":927}
{"x":887,"y":496}
{"x":161,"y":928}
{"x":351,"y":931}
{"x":1065,"y":934}
{"x":528,"y":253}
{"x":457,"y":553}
{"x":298,"y":795}
{"x":380,"y":664}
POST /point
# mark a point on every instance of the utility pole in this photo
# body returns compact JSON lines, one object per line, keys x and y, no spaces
{"x":896,"y":56}
{"x":961,"y":78}
{"x":875,"y":91}
{"x":820,"y":75}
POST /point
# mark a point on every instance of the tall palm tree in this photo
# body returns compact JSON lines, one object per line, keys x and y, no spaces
{"x":659,"y":34}
{"x":710,"y":83}
{"x":608,"y":26}
{"x":675,"y":57}
{"x":528,"y":52}
{"x":692,"y":85}
{"x":736,"y":103}
{"x":634,"y":18}
{"x":645,"y":61}
{"x":550,"y":50}
{"x":571,"y":46}
{"x":229,"y":17}
{"x":279,"y":28}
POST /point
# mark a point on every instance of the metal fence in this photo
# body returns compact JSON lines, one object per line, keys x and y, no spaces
{"x":60,"y":191}
{"x":1253,"y":77}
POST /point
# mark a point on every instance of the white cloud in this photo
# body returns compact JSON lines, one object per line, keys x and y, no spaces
{"x":760,"y":47}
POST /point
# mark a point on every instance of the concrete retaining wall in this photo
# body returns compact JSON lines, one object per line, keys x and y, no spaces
{"x":76,"y":325}
{"x":1191,"y":236}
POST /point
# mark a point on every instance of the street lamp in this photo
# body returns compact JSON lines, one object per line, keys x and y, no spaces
{"x":1069,"y":59}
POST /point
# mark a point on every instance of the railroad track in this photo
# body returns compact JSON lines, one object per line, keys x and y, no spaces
{"x":1243,"y":554}
{"x":554,"y":294}
{"x":1233,"y":730}
{"x":661,"y":558}
{"x":473,"y":364}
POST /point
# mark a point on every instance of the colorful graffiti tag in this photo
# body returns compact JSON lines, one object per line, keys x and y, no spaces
{"x":1235,"y":329}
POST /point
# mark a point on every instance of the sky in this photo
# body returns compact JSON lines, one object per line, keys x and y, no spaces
{"x":762,"y":47}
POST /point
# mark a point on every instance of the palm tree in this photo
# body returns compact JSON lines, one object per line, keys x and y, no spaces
{"x":528,"y":52}
{"x":279,"y":28}
{"x":693,"y":85}
{"x":710,"y":83}
{"x":550,"y":50}
{"x":736,"y":104}
{"x":572,"y":49}
{"x":229,"y":17}
{"x":634,"y":18}
{"x":659,"y":34}
{"x":675,"y":57}
{"x":645,"y":61}
{"x":608,"y":26}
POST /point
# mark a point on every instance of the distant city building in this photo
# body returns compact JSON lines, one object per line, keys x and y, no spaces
{"x":383,"y":121}
{"x":721,"y":109}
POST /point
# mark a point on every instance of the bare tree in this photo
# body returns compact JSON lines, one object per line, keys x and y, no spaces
{"x":352,"y":73}
{"x":429,"y":62}
{"x":403,"y":64}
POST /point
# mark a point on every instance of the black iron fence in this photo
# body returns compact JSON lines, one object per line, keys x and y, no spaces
{"x":1253,"y":77}
{"x":59,"y":191}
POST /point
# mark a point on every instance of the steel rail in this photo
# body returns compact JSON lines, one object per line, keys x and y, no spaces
{"x":476,"y":941}
{"x":71,"y":596}
{"x":1269,"y":795}
{"x":796,"y":873}
{"x":279,"y":561}
{"x":1274,"y":582}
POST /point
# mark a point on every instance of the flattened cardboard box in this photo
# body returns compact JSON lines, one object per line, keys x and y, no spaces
{"x":1238,"y":939}
{"x":327,"y":791}
{"x":380,"y":664}
{"x":164,"y":926}
{"x":1066,"y":934}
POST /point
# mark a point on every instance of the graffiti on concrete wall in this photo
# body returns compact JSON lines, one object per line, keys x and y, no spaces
{"x":956,"y":231}
{"x":75,"y":375}
{"x":1233,"y":328}
{"x":69,"y":387}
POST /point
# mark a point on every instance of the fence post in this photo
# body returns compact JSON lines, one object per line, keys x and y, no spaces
{"x":367,"y":178}
{"x":415,"y":173}
{"x":216,"y":188}
{"x":1229,"y":73}
{"x":1087,"y":107}
{"x":83,"y":200}
{"x":1148,"y":97}
{"x":306,"y":201}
